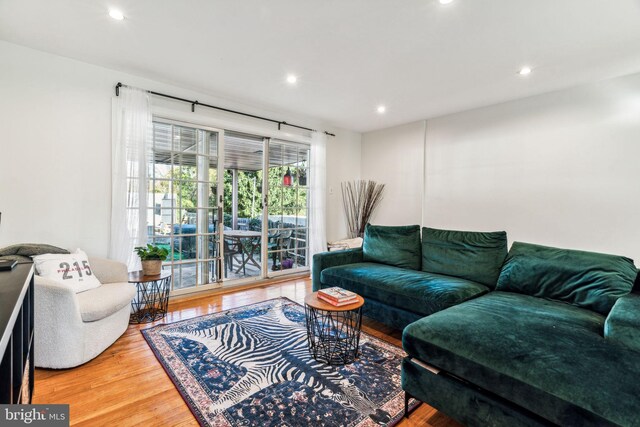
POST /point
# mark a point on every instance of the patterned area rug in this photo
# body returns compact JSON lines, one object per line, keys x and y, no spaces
{"x":251,"y":367}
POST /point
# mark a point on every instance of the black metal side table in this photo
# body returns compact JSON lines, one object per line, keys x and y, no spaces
{"x":333,"y":333}
{"x":152,"y":298}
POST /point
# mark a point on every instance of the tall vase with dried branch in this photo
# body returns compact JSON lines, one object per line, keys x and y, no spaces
{"x":360,"y":200}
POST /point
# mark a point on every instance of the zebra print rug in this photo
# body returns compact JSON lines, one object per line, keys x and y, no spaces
{"x":250,"y":366}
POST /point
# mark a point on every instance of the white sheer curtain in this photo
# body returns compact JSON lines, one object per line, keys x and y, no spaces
{"x":318,"y":187}
{"x":131,"y":139}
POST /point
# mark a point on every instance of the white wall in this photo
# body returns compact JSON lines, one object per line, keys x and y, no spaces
{"x":558,"y":169}
{"x":395,"y":157}
{"x":55,"y":134}
{"x":343,"y":164}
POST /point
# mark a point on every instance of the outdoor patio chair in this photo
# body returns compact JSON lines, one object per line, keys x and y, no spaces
{"x":278,"y":241}
{"x":231,"y":249}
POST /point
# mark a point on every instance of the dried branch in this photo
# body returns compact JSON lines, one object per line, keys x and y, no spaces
{"x":360,"y":200}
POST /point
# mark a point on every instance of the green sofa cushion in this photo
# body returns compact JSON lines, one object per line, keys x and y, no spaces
{"x":324,"y":260}
{"x":623,"y":322}
{"x":414,"y":291}
{"x":585,"y":279}
{"x":545,"y":356}
{"x":470,"y":255}
{"x":397,"y":246}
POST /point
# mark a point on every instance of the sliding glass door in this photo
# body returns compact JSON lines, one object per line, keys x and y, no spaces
{"x":229,"y":207}
{"x":184,"y":202}
{"x":243,"y":205}
{"x":288,"y":206}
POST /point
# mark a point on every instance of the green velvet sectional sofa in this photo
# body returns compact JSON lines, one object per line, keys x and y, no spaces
{"x":536,"y":336}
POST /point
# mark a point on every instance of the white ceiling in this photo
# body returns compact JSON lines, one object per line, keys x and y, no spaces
{"x":417,"y":57}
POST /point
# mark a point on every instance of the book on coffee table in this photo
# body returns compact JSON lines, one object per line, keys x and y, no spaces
{"x":337,"y":296}
{"x":337,"y":304}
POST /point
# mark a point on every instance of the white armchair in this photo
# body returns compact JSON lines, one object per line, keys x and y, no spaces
{"x":70,"y":328}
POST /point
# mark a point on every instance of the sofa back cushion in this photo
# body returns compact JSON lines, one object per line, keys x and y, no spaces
{"x":470,"y":255}
{"x":585,"y":279}
{"x":397,"y":246}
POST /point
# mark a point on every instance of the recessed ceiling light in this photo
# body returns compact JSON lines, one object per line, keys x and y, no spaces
{"x":445,"y":1}
{"x":525,"y":71}
{"x":291,"y":79}
{"x":116,"y":14}
{"x":381,"y":109}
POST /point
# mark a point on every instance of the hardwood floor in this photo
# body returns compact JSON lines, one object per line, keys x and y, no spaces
{"x":127,"y":386}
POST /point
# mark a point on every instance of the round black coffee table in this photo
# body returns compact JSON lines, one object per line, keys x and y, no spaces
{"x":333,"y":333}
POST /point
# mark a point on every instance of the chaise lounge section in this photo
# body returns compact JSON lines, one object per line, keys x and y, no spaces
{"x":556,"y":344}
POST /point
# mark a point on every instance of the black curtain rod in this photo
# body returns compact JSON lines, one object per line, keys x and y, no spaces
{"x":194,"y":103}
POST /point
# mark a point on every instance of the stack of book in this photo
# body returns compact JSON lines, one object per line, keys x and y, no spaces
{"x":337,"y":296}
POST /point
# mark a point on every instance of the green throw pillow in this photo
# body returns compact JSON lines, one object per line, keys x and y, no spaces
{"x":397,"y":246}
{"x":470,"y":255}
{"x":585,"y":279}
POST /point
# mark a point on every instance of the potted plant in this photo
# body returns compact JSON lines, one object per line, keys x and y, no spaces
{"x":302,"y":175}
{"x":151,"y":257}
